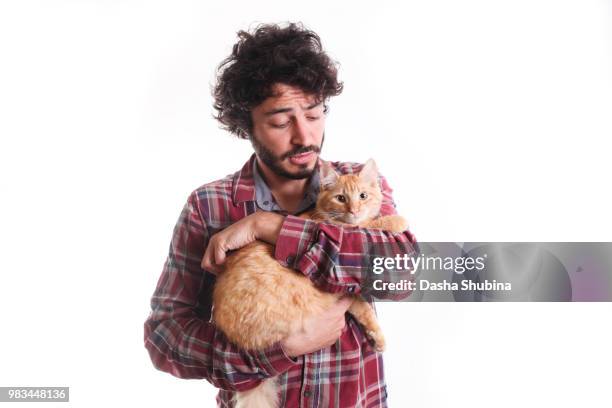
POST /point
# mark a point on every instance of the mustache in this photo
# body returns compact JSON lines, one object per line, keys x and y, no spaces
{"x":300,"y":150}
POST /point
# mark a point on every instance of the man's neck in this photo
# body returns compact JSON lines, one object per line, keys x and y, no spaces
{"x":288,"y":193}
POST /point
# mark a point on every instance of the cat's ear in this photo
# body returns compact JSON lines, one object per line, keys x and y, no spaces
{"x":328,"y":176}
{"x":369,"y":172}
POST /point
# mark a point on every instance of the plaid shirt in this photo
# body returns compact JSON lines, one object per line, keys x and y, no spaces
{"x":182,"y":340}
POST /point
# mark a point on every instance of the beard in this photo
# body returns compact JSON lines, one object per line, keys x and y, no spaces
{"x":274,"y":162}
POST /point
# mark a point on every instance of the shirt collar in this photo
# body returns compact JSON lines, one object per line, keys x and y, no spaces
{"x":243,"y":185}
{"x":249,"y":185}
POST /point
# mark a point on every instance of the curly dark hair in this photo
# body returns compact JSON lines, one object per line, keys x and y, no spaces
{"x":271,"y":54}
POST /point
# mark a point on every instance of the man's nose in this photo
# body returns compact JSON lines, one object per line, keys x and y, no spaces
{"x":302,"y":134}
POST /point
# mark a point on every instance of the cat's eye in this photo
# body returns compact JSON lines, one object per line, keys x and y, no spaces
{"x":341,"y":198}
{"x":363,"y":196}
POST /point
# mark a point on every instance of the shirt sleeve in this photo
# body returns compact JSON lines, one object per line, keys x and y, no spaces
{"x":178,"y":333}
{"x":338,"y":258}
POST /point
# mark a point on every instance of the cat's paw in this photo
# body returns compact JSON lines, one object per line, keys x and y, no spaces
{"x":399,"y":224}
{"x":377,"y":339}
{"x":394,"y":223}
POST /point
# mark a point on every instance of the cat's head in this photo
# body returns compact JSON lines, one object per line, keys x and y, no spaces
{"x":349,"y":198}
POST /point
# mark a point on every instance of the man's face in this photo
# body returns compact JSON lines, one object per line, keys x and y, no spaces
{"x":288,"y":132}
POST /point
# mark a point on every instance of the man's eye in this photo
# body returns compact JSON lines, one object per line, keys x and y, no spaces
{"x":363,"y":196}
{"x":313,"y":118}
{"x":280,"y":125}
{"x":341,"y":198}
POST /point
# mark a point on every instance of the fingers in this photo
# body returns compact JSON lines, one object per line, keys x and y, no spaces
{"x":206,"y":259}
{"x":342,"y":326}
{"x":213,"y":257}
{"x":340,"y":329}
{"x":205,"y":264}
{"x":335,"y":334}
{"x":337,"y":314}
{"x":219,"y":255}
{"x":344,"y":303}
{"x":341,"y":306}
{"x":235,"y":236}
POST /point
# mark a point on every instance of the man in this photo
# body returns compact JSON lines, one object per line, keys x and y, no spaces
{"x":273,"y":90}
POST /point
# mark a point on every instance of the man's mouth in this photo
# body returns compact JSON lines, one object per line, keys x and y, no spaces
{"x":302,"y":158}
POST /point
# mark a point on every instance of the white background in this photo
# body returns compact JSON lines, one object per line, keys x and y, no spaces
{"x":490,"y":119}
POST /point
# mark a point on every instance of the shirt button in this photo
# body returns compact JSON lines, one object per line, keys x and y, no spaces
{"x":290,"y":260}
{"x":307,"y":394}
{"x":266,"y":202}
{"x":351,"y":289}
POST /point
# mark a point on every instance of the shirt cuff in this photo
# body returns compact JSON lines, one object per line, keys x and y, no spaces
{"x":295,"y":237}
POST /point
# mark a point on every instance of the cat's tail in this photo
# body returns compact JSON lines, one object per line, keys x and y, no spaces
{"x":265,"y":395}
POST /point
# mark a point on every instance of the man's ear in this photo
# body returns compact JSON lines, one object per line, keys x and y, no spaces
{"x":328,"y":176}
{"x":369,"y":172}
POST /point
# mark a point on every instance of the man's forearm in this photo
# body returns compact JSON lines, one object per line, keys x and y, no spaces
{"x":188,"y":347}
{"x":268,"y":226}
{"x":334,"y":257}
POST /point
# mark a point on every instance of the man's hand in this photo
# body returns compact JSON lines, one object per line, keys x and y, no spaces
{"x":235,"y":236}
{"x":260,"y":225}
{"x":318,"y":332}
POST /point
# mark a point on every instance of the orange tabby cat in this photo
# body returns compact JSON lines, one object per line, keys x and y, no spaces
{"x":257,"y":301}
